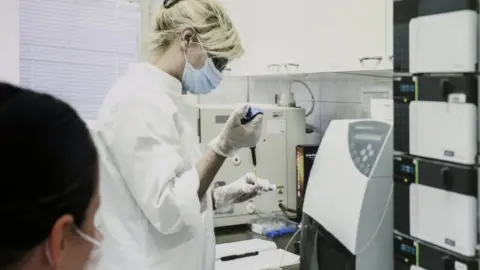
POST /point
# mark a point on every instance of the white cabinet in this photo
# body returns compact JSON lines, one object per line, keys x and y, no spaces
{"x":352,"y":35}
{"x":273,"y":34}
{"x":310,"y":36}
{"x":282,"y":36}
{"x":389,"y":16}
{"x":241,"y":13}
{"x":10,"y":44}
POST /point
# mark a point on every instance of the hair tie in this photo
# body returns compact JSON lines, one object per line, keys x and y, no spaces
{"x":170,"y":3}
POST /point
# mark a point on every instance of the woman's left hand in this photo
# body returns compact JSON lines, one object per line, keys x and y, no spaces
{"x":241,"y":190}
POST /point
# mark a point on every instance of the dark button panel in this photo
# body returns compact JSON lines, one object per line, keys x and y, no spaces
{"x":404,"y":92}
{"x":447,"y":176}
{"x":405,"y":251}
{"x":365,"y":139}
{"x":404,"y":171}
{"x":432,"y":7}
{"x":456,"y":89}
{"x":410,"y":252}
{"x":401,"y":61}
{"x":404,"y":12}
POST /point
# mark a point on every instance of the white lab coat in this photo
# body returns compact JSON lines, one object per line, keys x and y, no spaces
{"x":151,"y":215}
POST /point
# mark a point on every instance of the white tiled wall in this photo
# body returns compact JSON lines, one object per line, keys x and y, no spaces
{"x":337,"y":96}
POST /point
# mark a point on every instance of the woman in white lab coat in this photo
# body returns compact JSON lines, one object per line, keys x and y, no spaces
{"x":155,"y":184}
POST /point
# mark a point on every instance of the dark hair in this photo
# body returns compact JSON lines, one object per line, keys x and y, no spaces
{"x":49,"y":168}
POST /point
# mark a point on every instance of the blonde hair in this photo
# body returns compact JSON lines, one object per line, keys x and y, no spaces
{"x":210,"y":20}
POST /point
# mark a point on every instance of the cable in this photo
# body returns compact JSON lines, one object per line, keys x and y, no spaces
{"x":309,"y":91}
{"x":291,"y":239}
{"x":298,"y":225}
{"x":286,"y":209}
{"x":385,"y":211}
{"x":288,"y":245}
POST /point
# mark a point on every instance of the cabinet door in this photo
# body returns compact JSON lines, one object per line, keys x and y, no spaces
{"x":241,"y":13}
{"x":274,"y":34}
{"x":389,"y":37}
{"x":371,"y":33}
{"x":336,"y":33}
{"x":351,"y":34}
{"x":297,"y":38}
{"x":278,"y":31}
{"x":318,"y":35}
{"x":268,"y":35}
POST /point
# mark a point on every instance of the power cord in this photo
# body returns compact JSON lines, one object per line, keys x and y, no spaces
{"x":286,"y":209}
{"x":259,"y":213}
{"x":280,"y":263}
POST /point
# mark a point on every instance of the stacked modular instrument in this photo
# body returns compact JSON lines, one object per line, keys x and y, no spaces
{"x":436,"y":138}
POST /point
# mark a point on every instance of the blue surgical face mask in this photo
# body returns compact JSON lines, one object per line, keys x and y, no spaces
{"x":201,"y":81}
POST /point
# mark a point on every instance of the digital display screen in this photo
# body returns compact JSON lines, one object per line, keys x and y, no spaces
{"x":408,"y":169}
{"x":368,"y":137}
{"x":407,"y":88}
{"x":408,"y":249}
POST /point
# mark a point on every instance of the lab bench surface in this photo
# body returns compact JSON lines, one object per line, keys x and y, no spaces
{"x":241,"y":233}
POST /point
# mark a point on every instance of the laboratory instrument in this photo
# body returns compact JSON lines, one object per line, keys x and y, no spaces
{"x":436,"y":202}
{"x":284,"y":129}
{"x":287,"y":99}
{"x":436,"y":117}
{"x":417,"y":255}
{"x":305,"y":156}
{"x":435,"y":43}
{"x":348,"y":210}
{"x":426,"y":39}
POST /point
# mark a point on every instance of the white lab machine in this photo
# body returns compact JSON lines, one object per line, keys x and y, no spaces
{"x":443,"y":119}
{"x":436,"y":202}
{"x":435,"y":43}
{"x":284,"y":129}
{"x":436,"y":117}
{"x":348,"y":213}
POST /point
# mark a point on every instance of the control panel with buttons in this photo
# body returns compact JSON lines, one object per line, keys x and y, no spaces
{"x":365,"y":141}
{"x":404,"y":170}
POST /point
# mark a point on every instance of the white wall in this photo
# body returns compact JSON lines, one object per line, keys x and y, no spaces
{"x":337,"y":96}
{"x":9,"y":41}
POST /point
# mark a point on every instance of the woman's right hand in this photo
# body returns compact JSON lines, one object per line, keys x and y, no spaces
{"x":235,"y":136}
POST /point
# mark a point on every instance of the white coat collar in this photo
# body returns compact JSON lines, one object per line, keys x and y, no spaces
{"x":158,"y":77}
{"x":159,"y":80}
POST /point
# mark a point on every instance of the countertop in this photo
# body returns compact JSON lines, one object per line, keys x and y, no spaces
{"x":240,"y":233}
